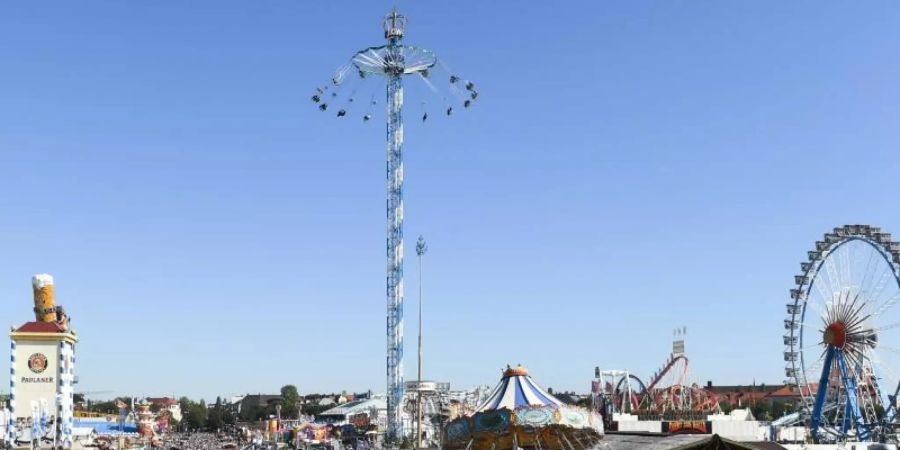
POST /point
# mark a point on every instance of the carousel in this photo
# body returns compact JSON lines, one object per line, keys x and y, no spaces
{"x":519,"y":414}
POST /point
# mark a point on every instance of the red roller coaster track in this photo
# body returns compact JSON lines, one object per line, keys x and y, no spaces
{"x":670,"y":363}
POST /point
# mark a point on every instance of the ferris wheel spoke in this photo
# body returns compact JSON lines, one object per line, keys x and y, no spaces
{"x":884,"y":275}
{"x":821,"y":305}
{"x":887,"y":305}
{"x":810,"y":348}
{"x":887,"y":372}
{"x":824,"y":288}
{"x":895,"y":350}
{"x":879,"y":289}
{"x":857,"y":318}
{"x":833,"y":276}
{"x":816,"y":366}
{"x":866,"y":272}
{"x":848,"y":264}
{"x":843,"y":266}
{"x":887,"y":327}
{"x":817,"y":309}
{"x":855,"y":359}
{"x":887,"y":278}
{"x":828,"y":262}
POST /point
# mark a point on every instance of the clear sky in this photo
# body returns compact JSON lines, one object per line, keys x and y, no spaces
{"x":630,"y":167}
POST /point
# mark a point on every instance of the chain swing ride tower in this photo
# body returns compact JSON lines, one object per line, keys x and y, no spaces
{"x":394,"y":25}
{"x":391,"y":63}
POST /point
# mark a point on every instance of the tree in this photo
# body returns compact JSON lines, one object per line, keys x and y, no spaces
{"x":230,"y":416}
{"x":107,"y":407}
{"x":780,"y":408}
{"x":290,"y":401}
{"x":194,"y":415}
{"x":251,"y":413}
{"x":762,"y":410}
{"x":185,"y":404}
{"x":726,"y":406}
{"x":216,"y":418}
{"x":314,"y":409}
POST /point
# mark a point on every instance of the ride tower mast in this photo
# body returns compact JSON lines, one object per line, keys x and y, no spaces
{"x":390,"y":63}
{"x":394,"y":25}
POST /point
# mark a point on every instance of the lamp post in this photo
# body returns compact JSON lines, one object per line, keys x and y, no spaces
{"x":421,"y":248}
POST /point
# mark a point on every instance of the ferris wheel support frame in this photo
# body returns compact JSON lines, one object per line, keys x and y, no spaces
{"x":852,"y":408}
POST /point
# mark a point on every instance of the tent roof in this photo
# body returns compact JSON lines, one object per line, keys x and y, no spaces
{"x":517,"y":389}
{"x":716,"y":442}
{"x":658,"y":441}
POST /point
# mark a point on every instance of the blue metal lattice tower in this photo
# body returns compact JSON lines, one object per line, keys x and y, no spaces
{"x":394,"y":25}
{"x":391,"y":62}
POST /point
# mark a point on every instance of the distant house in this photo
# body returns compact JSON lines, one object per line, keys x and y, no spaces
{"x":570,"y":398}
{"x":252,"y":404}
{"x":789,"y":393}
{"x":741,"y":396}
{"x":375,"y":409}
{"x":162,"y":402}
{"x":167,"y":403}
{"x":327,"y":401}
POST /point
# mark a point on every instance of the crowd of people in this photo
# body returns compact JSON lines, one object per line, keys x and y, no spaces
{"x":200,"y":441}
{"x":235,"y":438}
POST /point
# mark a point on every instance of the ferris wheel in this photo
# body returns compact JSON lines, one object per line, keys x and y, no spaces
{"x":842,"y":320}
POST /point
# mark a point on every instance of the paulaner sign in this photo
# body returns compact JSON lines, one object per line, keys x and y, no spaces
{"x":36,"y":380}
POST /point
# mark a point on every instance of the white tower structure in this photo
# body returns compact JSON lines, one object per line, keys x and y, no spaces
{"x":42,"y":362}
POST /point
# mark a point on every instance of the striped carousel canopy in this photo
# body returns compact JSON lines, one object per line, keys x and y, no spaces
{"x":517,"y":389}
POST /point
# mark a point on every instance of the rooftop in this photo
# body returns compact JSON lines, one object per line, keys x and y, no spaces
{"x":162,"y":401}
{"x":356,"y":406}
{"x":656,"y":441}
{"x":41,"y":327}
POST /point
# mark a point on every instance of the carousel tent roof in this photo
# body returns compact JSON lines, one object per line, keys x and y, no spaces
{"x":517,"y":389}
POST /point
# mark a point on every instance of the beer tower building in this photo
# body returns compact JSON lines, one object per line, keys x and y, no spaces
{"x":42,"y":361}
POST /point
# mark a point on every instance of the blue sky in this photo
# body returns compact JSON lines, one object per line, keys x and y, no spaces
{"x":630,"y":167}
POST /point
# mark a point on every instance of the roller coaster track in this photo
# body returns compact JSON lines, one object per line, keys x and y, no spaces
{"x":665,"y":370}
